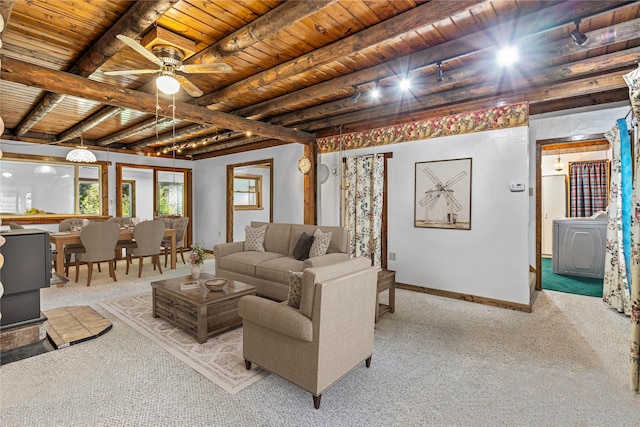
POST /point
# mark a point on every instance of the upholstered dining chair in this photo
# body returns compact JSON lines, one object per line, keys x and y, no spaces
{"x":122,"y":244}
{"x":99,"y":240}
{"x":76,"y":248}
{"x":15,"y":226}
{"x":147,"y":236}
{"x":180,"y":225}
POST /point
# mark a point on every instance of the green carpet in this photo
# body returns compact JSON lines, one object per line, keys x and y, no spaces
{"x":569,"y":284}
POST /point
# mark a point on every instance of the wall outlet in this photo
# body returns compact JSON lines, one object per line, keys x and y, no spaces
{"x":392,"y":256}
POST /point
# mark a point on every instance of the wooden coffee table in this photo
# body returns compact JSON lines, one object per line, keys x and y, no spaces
{"x":199,"y":311}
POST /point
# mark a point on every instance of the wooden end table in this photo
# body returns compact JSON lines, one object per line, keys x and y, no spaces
{"x":199,"y":311}
{"x":386,"y":281}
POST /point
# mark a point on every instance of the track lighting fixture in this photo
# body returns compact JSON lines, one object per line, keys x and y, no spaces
{"x":439,"y":73}
{"x":578,"y":36}
{"x":375,"y":92}
{"x":356,"y":95}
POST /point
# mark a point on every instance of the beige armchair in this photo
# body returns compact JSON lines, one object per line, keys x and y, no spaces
{"x":329,"y":335}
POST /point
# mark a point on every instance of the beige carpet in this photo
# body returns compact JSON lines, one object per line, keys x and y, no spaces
{"x":219,"y":359}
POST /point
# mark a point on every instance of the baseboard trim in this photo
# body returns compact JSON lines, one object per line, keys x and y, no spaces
{"x":466,"y":297}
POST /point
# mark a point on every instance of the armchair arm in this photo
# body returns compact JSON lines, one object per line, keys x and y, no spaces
{"x":224,"y":249}
{"x":326,"y":259}
{"x":276,"y":316}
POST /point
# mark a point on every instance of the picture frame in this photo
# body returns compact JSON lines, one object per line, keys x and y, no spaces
{"x":443,"y":194}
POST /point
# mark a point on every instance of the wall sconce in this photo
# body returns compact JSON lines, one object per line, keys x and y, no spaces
{"x":578,"y":36}
{"x":558,"y":166}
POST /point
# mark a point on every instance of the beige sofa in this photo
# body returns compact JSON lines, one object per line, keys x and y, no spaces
{"x":269,"y":270}
{"x":331,"y":333}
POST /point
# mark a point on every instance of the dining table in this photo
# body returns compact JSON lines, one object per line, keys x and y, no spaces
{"x":60,"y":239}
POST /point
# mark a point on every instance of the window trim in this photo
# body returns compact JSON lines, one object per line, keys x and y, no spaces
{"x":103,"y":178}
{"x":258,"y":205}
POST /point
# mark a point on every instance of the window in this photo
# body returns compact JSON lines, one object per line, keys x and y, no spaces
{"x":32,"y":185}
{"x":247,"y":192}
{"x":128,"y":198}
{"x":170,"y":193}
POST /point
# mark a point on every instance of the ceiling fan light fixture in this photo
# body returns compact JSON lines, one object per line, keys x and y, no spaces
{"x":167,"y":84}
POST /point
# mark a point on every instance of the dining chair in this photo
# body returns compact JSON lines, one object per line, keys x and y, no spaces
{"x":147,"y":236}
{"x":99,"y":240}
{"x":180,"y":225}
{"x":122,"y":244}
{"x":15,"y":226}
{"x":74,"y":248}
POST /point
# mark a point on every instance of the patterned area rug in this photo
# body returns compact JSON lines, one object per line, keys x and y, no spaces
{"x":219,"y":359}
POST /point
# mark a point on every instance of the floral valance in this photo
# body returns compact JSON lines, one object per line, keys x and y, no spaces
{"x":503,"y":117}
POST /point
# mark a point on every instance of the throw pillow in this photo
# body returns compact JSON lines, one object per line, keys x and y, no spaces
{"x":301,"y":251}
{"x":254,"y":238}
{"x":295,"y":288}
{"x":320,"y":243}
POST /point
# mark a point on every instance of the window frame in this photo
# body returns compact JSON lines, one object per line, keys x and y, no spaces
{"x":258,"y":193}
{"x":53,"y":160}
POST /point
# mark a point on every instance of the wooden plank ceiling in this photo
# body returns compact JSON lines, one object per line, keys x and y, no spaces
{"x":300,"y":69}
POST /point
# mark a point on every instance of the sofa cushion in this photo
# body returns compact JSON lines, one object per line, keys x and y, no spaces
{"x":276,"y":239}
{"x":245,"y":262}
{"x":320,"y":244}
{"x":301,"y":251}
{"x":277,"y":269}
{"x":254,"y":238}
{"x":295,"y":289}
{"x":296,"y":232}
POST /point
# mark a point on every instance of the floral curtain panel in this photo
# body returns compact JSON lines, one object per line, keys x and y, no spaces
{"x":588,"y":185}
{"x":633,"y":81}
{"x":622,"y":260}
{"x":364,"y":183}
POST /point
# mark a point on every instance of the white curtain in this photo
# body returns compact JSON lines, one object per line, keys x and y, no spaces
{"x":364,"y":185}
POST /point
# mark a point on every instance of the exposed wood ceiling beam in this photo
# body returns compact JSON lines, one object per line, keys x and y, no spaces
{"x":137,"y":18}
{"x":93,"y":120}
{"x":311,"y":118}
{"x":71,"y":84}
{"x":526,"y":26}
{"x":132,"y":130}
{"x":266,"y":25}
{"x":273,"y":21}
{"x":421,"y":16}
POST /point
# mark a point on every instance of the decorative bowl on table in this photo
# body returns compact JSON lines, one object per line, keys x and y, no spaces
{"x":216,"y":284}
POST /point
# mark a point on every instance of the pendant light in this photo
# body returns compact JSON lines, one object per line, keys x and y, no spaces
{"x":81,"y":154}
{"x":558,"y":165}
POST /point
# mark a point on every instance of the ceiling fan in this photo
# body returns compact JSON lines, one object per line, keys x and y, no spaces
{"x":169,"y":59}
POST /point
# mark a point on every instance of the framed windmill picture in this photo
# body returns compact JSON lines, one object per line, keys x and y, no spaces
{"x":443,"y":194}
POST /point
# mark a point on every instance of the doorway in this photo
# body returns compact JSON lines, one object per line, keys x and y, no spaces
{"x":552,"y":165}
{"x":249,"y":196}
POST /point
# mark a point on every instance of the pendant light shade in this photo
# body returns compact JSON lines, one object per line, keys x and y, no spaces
{"x":45,"y":170}
{"x":80,"y":154}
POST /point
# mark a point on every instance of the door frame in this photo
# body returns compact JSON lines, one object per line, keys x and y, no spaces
{"x":230,"y":175}
{"x":574,"y":142}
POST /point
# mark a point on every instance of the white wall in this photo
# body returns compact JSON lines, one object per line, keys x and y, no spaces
{"x":209,"y":196}
{"x":490,"y":260}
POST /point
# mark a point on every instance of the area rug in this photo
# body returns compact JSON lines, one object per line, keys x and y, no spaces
{"x":219,"y":359}
{"x":569,"y":284}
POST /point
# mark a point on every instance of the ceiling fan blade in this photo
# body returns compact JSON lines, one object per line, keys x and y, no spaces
{"x":125,"y":72}
{"x":189,"y":87}
{"x":140,"y":49}
{"x":206,"y":68}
